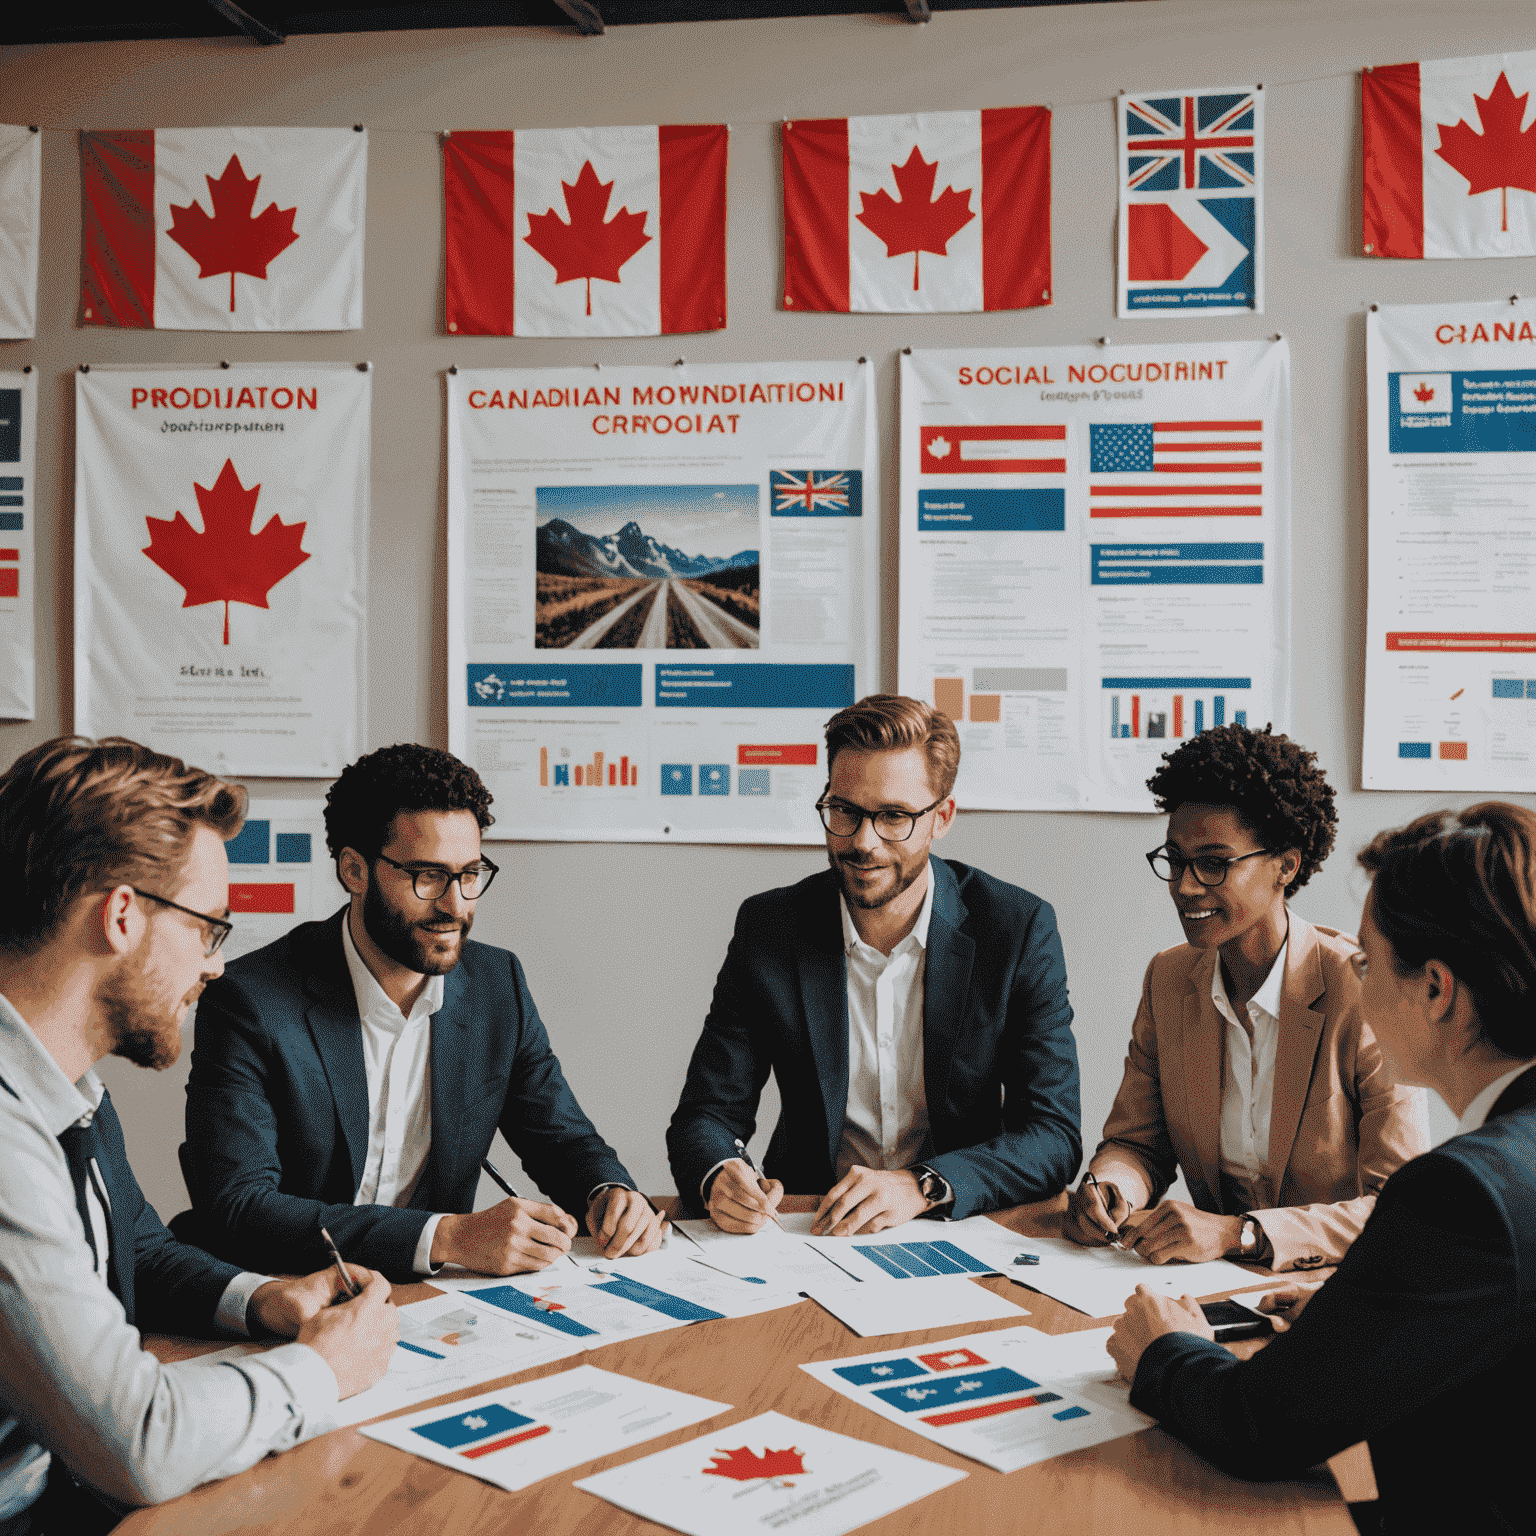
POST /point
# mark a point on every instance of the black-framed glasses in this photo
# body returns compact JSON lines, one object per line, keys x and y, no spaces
{"x":1210,"y":869}
{"x":891,"y":826}
{"x":215,"y":929}
{"x":429,"y":881}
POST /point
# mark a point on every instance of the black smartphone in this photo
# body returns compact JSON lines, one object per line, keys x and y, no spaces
{"x":1234,"y":1320}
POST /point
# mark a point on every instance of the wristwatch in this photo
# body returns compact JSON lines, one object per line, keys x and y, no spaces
{"x":1252,"y":1238}
{"x":933,"y":1187}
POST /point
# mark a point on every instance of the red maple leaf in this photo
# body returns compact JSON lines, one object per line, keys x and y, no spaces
{"x":587,"y":246}
{"x":225,"y":563}
{"x":919,"y":221}
{"x":1501,"y":155}
{"x":232,"y":241}
{"x":1424,"y":394}
{"x":743,"y":1467}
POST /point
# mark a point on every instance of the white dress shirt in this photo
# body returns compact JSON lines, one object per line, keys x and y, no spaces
{"x":73,"y":1372}
{"x":886,"y":1121}
{"x":397,"y":1057}
{"x":1476,"y":1114}
{"x":1248,"y":1084}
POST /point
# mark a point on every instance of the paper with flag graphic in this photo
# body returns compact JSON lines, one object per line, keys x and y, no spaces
{"x":223,"y":229}
{"x":923,"y":213}
{"x":21,"y":195}
{"x":1095,"y":559}
{"x":221,"y":560}
{"x":1192,"y":202}
{"x":1450,"y":669}
{"x":586,"y":231}
{"x":519,"y":1435}
{"x":1450,"y":157}
{"x":1007,"y":1399}
{"x":18,"y":517}
{"x":770,"y":1473}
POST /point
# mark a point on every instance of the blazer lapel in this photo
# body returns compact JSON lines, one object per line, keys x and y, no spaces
{"x":946,"y":981}
{"x":824,"y":996}
{"x":1296,"y":1048}
{"x":1203,"y":1047}
{"x":335,"y":1028}
{"x":449,"y":1056}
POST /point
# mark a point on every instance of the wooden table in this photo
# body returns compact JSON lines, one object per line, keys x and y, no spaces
{"x":1147,"y":1484}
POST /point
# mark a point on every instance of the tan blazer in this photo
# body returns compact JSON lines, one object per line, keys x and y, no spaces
{"x":1339,"y":1125}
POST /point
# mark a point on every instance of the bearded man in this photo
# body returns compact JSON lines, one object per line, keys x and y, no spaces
{"x":352,"y":1074}
{"x":913,"y":1011}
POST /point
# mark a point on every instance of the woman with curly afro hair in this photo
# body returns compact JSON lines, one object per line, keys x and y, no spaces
{"x":1251,"y":1067}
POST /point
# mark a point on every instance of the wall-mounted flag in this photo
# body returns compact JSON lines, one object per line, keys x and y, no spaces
{"x":1191,"y":202}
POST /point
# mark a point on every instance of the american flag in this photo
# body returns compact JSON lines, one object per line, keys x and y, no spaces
{"x":1176,"y":469}
{"x":1191,"y":142}
{"x":809,"y":493}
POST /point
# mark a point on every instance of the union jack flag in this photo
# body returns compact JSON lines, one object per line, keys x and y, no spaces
{"x":1190,"y":143}
{"x":817,"y":493}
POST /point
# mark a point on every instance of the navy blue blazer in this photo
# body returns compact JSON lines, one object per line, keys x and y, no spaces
{"x":999,"y":1060}
{"x":1420,"y":1344}
{"x":277,"y":1107}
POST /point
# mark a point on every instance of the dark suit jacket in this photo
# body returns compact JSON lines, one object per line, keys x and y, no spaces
{"x":999,"y":1060}
{"x":1421,"y":1343}
{"x":277,"y":1107}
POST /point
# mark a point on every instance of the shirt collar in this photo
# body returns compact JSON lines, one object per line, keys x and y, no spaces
{"x":371,"y":997}
{"x":35,"y":1075}
{"x":1268,"y":995}
{"x":1476,"y":1115}
{"x":919,"y":928}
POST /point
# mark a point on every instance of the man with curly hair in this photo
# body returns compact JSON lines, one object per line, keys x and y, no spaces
{"x":351,"y":1075}
{"x":1251,"y":1067}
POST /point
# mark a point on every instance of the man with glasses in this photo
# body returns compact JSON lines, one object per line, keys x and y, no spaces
{"x":913,"y":1012}
{"x":352,"y":1074}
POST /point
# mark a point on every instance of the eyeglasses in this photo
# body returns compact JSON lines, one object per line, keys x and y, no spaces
{"x":844,"y":820}
{"x":430,"y":881}
{"x":215,"y":929}
{"x":1210,"y":870}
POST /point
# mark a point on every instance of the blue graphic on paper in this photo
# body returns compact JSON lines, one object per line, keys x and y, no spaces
{"x":752,"y":781}
{"x":765,"y":686}
{"x":466,"y":1428}
{"x":511,"y":685}
{"x":714,"y":778}
{"x":292,"y":848}
{"x":816,"y":492}
{"x":510,"y":1299}
{"x":1178,"y":565}
{"x":251,"y":845}
{"x":677,"y":778}
{"x":1490,"y":410}
{"x":946,"y":1391}
{"x":1071,"y":1413}
{"x":907,"y":1261}
{"x":993,"y":511}
{"x":658,"y":1301}
{"x":873,"y":1373}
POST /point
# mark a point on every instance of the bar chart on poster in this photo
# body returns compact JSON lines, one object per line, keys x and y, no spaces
{"x":280,"y":874}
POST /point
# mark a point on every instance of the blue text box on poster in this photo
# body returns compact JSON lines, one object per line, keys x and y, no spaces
{"x":493,"y":685}
{"x":1491,"y":410}
{"x":1177,"y":565}
{"x":766,"y":686}
{"x":1041,"y":510}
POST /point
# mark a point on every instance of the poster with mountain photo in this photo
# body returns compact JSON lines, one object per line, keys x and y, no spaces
{"x":661,"y":583}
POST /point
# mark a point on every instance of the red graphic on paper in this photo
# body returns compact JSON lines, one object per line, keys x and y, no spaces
{"x":1424,"y":394}
{"x":952,"y":1359}
{"x":1502,"y":155}
{"x":743,"y":1467}
{"x":919,"y":221}
{"x":548,"y":1304}
{"x":1163,"y":248}
{"x":588,"y":246}
{"x":225,"y":563}
{"x":232,"y":240}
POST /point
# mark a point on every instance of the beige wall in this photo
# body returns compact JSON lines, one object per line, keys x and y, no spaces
{"x":621,"y":943}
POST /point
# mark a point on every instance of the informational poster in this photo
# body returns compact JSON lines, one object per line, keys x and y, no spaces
{"x":609,"y":531}
{"x":1095,"y":558}
{"x":21,"y":200}
{"x":280,"y":874}
{"x":221,"y":557}
{"x":18,"y":514}
{"x":1450,"y":670}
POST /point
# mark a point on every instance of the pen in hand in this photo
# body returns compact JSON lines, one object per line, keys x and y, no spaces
{"x":1112,"y":1233}
{"x":494,"y":1174}
{"x":341,"y":1269}
{"x":746,"y":1157}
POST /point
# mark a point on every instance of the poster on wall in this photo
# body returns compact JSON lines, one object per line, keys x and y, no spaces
{"x":18,"y":514}
{"x":610,"y":530}
{"x":1095,"y":559}
{"x":221,"y":555}
{"x":21,"y":198}
{"x":1450,"y":671}
{"x":1192,"y":202}
{"x":280,"y":874}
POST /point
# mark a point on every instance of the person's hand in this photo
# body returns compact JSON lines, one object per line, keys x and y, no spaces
{"x":1175,"y":1230}
{"x":869,"y":1200}
{"x":1149,"y":1317}
{"x":284,"y":1306}
{"x":741,"y":1202}
{"x":1094,"y":1214}
{"x":355,"y":1338}
{"x":511,"y":1238}
{"x":624,"y":1223}
{"x":1287,"y":1302}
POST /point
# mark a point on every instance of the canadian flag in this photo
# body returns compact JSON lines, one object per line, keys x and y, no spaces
{"x":1450,"y":163}
{"x":21,"y":183}
{"x":223,"y":229}
{"x":586,"y":231}
{"x":939,"y":211}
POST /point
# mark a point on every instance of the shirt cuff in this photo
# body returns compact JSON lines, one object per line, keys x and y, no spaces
{"x":305,"y":1405}
{"x":230,"y":1312}
{"x":597,"y":1189}
{"x":422,"y":1263}
{"x":705,"y":1181}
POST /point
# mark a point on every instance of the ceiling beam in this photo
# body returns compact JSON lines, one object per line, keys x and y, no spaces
{"x":917,"y":10}
{"x":257,"y":31}
{"x":588,"y":19}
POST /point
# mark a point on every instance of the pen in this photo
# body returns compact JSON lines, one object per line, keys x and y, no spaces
{"x":507,"y":1189}
{"x":1088,"y":1178}
{"x":746,"y":1157}
{"x":341,"y":1269}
